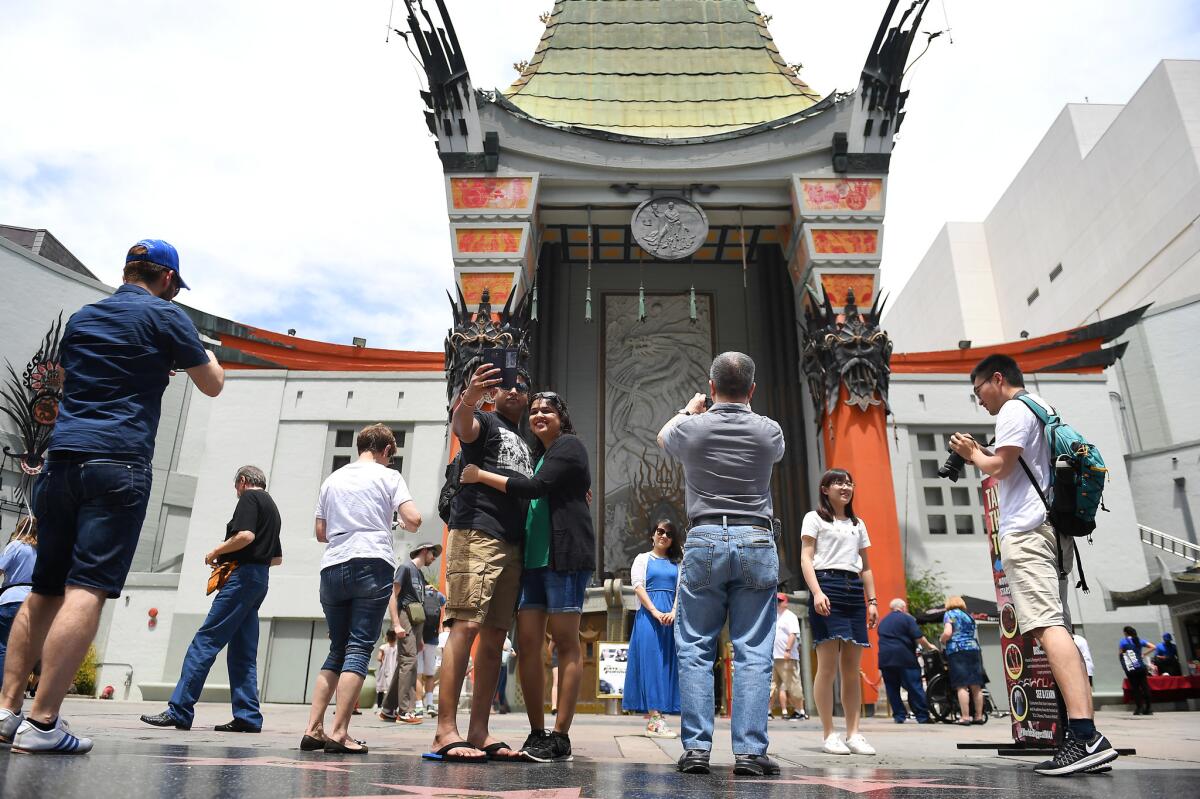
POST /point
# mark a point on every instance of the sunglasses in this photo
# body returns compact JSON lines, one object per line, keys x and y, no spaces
{"x":661,"y":531}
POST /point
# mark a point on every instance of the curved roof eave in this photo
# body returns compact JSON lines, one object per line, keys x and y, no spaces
{"x":498,"y":99}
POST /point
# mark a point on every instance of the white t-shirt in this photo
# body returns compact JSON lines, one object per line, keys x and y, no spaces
{"x":1021,"y":508}
{"x":357,"y":503}
{"x":838,"y":542}
{"x":787,"y":624}
{"x":1086,"y":651}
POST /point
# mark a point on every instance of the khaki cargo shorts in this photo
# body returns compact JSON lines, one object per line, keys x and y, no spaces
{"x":483,"y":579}
{"x":785,"y":675}
{"x":1030,"y":561}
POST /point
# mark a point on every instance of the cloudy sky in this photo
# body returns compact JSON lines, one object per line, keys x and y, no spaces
{"x":280,"y":145}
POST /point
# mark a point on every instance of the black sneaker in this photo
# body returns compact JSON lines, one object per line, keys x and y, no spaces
{"x":1075,"y":755}
{"x":165,"y":719}
{"x":237,"y":725}
{"x":798,"y":715}
{"x":694,"y":761}
{"x":550,"y":747}
{"x":755,"y":766}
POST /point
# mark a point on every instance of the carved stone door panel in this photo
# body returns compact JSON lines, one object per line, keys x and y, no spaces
{"x":649,"y":369}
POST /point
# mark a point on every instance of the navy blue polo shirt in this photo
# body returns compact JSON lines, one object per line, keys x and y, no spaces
{"x":898,"y":636}
{"x":117,"y":354}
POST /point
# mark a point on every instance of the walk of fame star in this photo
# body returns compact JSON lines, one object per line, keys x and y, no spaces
{"x":869,"y":784}
{"x":278,"y":762}
{"x":433,"y":792}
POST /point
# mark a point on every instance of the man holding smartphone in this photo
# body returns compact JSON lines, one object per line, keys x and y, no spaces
{"x":483,"y":561}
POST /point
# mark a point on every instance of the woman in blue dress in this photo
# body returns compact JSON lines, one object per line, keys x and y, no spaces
{"x":652,"y":679}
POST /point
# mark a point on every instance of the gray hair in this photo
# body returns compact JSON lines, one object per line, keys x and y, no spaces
{"x":732,"y":374}
{"x":897,"y":604}
{"x":252,"y":475}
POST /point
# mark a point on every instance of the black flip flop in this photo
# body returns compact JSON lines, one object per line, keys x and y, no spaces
{"x":494,"y":749}
{"x":335,"y":748}
{"x":310,"y":744}
{"x":445,"y":754}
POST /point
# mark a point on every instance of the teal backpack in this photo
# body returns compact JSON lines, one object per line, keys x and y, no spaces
{"x":1077,"y":478}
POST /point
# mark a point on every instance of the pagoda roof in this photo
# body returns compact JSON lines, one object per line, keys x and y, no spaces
{"x":658,"y":69}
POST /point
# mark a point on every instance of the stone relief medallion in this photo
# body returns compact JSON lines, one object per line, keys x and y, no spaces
{"x":669,"y":227}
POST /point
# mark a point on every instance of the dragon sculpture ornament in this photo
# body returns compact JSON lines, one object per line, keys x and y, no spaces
{"x":852,"y":350}
{"x":474,"y":332}
{"x":31,"y":401}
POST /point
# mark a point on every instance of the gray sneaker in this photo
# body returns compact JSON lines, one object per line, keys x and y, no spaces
{"x":9,"y":722}
{"x":31,"y":740}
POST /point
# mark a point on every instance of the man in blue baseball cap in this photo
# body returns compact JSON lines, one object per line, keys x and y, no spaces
{"x":90,"y":499}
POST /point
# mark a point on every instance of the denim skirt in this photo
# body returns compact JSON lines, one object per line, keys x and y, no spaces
{"x":847,"y":619}
{"x":966,"y":668}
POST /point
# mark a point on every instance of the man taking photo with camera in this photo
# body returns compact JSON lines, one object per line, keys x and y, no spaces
{"x":1029,"y":551}
{"x":730,"y":564}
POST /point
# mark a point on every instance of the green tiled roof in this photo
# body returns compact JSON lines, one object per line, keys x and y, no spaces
{"x":658,"y":68}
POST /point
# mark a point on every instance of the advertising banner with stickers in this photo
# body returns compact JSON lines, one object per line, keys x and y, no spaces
{"x":611,"y":663}
{"x":1033,"y":699}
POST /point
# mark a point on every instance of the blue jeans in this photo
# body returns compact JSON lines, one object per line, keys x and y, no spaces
{"x":910,"y":677}
{"x":730,"y":572}
{"x":232,"y":621}
{"x":7,"y":614}
{"x":354,"y":596}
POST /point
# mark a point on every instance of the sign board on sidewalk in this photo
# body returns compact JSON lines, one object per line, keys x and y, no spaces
{"x":611,"y":663}
{"x":1033,"y":699}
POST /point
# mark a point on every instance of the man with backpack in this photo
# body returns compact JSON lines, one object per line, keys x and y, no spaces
{"x":1036,"y":558}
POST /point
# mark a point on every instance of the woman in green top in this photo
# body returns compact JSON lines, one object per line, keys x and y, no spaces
{"x":560,"y":548}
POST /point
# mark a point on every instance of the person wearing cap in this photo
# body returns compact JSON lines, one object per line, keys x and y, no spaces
{"x":407,"y":610}
{"x":785,"y":674}
{"x":90,"y":499}
{"x":1166,"y":657}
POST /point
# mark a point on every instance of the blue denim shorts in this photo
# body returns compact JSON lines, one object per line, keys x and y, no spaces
{"x":553,"y":592}
{"x":90,"y":512}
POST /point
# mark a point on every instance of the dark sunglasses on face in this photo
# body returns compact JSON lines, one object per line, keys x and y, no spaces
{"x":661,"y":531}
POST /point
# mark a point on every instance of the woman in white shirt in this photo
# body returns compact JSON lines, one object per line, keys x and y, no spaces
{"x":841,"y":604}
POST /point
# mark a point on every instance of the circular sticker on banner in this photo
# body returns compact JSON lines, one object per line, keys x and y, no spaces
{"x":1014,"y":662}
{"x":1008,"y":621}
{"x":1018,"y":703}
{"x":45,"y":410}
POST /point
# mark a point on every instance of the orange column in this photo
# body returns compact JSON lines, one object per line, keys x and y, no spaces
{"x":857,"y":442}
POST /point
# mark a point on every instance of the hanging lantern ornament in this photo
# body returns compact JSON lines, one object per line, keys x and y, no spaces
{"x":533,"y":316}
{"x":692,"y":304}
{"x":641,"y":302}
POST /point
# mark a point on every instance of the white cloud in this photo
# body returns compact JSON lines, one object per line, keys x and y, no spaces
{"x":281,"y":146}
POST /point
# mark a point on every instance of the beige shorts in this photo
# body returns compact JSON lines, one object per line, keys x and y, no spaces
{"x":1038,"y":594}
{"x":785,"y":674}
{"x":483,"y":579}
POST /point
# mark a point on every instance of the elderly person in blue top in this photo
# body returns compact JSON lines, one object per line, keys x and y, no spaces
{"x":965,"y":660}
{"x":899,"y":637}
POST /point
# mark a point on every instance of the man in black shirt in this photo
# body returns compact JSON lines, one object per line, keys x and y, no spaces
{"x":483,"y":562}
{"x":252,"y":543}
{"x":407,"y":611}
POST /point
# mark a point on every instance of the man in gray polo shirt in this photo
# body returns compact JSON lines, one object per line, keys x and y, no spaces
{"x":730,"y":565}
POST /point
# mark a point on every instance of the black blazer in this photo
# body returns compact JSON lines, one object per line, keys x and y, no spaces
{"x":564,"y":479}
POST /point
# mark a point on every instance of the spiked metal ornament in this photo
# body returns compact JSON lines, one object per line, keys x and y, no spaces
{"x":31,"y":402}
{"x":474,"y":332}
{"x":853,"y":350}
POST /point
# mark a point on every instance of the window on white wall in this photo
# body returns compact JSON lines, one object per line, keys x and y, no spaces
{"x":342,"y":447}
{"x":946,"y":508}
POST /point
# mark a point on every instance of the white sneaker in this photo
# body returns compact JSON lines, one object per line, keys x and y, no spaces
{"x":835,"y":746}
{"x":858,"y":745}
{"x":59,"y":741}
{"x":9,"y":722}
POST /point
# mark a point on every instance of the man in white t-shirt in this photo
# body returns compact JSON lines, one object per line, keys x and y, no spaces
{"x":1029,"y":551}
{"x":785,"y":674}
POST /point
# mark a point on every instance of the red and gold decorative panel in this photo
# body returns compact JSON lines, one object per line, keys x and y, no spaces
{"x":834,"y":195}
{"x":499,"y":194}
{"x":837,"y":285}
{"x":845,"y":241}
{"x":488,"y":240}
{"x":498,"y":284}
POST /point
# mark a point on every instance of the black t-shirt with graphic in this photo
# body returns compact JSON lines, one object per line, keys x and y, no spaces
{"x":256,"y":512}
{"x":501,"y":450}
